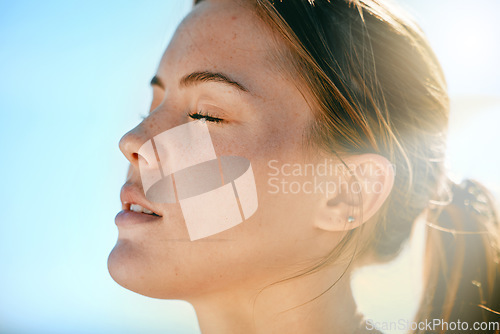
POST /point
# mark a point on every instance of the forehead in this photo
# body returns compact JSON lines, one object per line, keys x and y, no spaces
{"x":222,"y":36}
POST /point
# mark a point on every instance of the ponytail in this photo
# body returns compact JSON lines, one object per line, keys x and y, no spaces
{"x":462,"y":275}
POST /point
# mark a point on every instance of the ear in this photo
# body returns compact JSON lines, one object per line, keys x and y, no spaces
{"x":361,"y":191}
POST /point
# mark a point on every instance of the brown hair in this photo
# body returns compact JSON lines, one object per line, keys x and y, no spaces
{"x":376,"y":86}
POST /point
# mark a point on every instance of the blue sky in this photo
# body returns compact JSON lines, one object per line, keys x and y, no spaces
{"x":74,"y":77}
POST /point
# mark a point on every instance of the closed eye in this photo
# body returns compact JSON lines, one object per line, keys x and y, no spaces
{"x":206,"y":116}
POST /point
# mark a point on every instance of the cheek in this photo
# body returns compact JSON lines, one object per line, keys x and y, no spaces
{"x":280,"y":217}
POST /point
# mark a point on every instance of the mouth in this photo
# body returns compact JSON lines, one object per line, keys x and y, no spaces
{"x":134,"y":214}
{"x":133,"y":202}
{"x":140,"y":209}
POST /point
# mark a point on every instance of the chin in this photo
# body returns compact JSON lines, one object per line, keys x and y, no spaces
{"x":130,"y":269}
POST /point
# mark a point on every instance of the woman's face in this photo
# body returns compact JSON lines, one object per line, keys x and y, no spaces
{"x":264,"y":122}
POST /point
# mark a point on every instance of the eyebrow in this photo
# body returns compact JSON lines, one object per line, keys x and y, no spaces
{"x":201,"y":77}
{"x":157,"y":82}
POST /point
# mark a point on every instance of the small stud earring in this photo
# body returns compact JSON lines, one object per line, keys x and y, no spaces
{"x":351,"y":219}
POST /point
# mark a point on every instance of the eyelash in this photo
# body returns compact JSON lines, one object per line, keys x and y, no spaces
{"x":206,"y":116}
{"x":199,"y":115}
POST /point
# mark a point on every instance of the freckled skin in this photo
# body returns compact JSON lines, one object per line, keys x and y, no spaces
{"x":266,"y":124}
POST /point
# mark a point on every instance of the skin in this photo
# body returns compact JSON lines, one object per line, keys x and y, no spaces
{"x":228,"y":277}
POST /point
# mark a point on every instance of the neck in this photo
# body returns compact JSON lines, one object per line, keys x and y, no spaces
{"x":283,"y":307}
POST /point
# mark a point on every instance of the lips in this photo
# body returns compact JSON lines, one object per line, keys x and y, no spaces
{"x":135,"y":207}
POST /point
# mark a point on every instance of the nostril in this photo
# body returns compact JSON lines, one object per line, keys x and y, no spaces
{"x":135,"y":156}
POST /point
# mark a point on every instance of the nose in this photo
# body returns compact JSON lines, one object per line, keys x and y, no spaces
{"x":138,"y":145}
{"x":130,"y":144}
